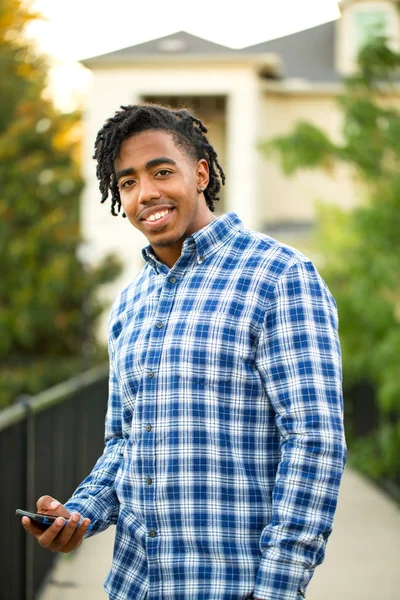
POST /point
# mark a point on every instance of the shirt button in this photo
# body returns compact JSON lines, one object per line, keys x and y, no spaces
{"x":159,"y":325}
{"x":201,"y":259}
{"x":172,"y":280}
{"x":149,"y":480}
{"x":148,"y":427}
{"x":152,"y":533}
{"x":150,"y":374}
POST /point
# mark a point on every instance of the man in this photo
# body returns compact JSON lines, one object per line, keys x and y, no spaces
{"x":224,"y":433}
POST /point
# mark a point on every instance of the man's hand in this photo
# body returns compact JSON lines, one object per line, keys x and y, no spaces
{"x":58,"y":537}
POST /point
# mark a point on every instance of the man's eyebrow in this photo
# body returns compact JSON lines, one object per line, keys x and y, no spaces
{"x":154,"y":162}
{"x":162,"y":160}
{"x":123,"y":172}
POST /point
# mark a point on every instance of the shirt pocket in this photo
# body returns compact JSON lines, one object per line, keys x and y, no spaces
{"x":211,"y":346}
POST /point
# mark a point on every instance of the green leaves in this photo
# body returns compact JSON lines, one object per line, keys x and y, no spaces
{"x":306,"y":147}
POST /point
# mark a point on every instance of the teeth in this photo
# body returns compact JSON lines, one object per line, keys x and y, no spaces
{"x":157,"y":216}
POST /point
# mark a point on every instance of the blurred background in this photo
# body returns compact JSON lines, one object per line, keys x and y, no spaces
{"x":302,"y":100}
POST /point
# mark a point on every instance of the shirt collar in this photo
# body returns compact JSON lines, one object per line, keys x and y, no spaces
{"x":206,"y":241}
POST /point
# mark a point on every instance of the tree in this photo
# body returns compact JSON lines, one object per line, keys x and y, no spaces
{"x":361,"y":248}
{"x":48,"y":301}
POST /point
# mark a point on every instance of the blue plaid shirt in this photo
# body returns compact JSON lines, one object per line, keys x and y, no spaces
{"x":224,"y":433}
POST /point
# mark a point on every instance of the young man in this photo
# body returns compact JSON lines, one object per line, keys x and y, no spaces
{"x":224,"y":433}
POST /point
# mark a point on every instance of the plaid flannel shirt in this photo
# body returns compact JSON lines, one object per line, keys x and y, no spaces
{"x":224,"y":432}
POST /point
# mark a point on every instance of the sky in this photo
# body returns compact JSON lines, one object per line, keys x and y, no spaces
{"x":76,"y":29}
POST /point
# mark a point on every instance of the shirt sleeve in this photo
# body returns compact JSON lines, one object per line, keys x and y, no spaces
{"x":299,"y":359}
{"x":95,"y":497}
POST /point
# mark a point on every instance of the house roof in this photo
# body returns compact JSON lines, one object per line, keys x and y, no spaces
{"x":178,"y":44}
{"x":308,"y":54}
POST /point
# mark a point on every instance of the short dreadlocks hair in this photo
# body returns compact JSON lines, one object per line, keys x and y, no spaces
{"x":188,"y":133}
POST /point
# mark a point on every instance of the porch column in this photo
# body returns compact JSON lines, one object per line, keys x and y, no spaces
{"x":242,"y":173}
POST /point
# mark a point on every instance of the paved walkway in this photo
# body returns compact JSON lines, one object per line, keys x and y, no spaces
{"x":362,"y":561}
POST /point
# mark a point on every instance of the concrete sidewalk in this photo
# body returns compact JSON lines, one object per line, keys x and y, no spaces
{"x":362,"y":560}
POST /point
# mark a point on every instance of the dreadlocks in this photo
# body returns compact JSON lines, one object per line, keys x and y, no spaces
{"x":187,"y":131}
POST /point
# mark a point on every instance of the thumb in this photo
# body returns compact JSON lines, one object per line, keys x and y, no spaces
{"x":51,"y":506}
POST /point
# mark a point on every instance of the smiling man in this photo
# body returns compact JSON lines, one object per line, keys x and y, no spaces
{"x":160,"y":191}
{"x":224,"y":445}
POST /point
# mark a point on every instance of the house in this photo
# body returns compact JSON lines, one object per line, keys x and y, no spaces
{"x":243,"y":96}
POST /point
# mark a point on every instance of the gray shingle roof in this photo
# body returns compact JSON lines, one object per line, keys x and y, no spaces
{"x":308,"y":54}
{"x":180,"y":44}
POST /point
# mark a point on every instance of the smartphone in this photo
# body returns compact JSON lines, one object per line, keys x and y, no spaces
{"x":40,"y":519}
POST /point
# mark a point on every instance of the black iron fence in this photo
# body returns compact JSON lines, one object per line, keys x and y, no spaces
{"x":48,"y":444}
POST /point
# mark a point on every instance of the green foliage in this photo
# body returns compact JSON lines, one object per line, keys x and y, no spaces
{"x":314,"y":145}
{"x":361,"y":248}
{"x":377,"y":455}
{"x":48,"y":302}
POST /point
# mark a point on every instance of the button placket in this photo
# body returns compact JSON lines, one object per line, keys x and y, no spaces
{"x":152,"y":375}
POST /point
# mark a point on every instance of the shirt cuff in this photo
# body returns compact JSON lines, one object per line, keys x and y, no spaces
{"x":280,"y":580}
{"x":95,"y":508}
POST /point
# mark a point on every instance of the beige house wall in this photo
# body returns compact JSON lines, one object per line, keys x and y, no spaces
{"x":293,"y":199}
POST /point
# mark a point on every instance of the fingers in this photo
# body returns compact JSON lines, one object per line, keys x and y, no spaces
{"x":49,"y":505}
{"x":31,"y":527}
{"x":60,"y":536}
{"x":71,"y":535}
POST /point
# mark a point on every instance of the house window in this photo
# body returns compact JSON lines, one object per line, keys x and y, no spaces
{"x":369,"y":24}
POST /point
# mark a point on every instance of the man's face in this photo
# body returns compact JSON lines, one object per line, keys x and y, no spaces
{"x":158,"y":184}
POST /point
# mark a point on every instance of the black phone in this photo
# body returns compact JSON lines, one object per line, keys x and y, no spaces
{"x":40,"y":519}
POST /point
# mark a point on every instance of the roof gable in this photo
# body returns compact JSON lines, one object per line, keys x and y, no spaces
{"x":177,"y":44}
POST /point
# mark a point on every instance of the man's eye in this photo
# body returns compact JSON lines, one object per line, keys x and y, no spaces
{"x":164,"y":172}
{"x":127,"y":183}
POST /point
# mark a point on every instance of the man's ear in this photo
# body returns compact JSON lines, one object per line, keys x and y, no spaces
{"x":202,"y":173}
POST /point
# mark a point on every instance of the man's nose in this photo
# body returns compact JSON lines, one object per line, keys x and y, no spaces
{"x":148,"y":190}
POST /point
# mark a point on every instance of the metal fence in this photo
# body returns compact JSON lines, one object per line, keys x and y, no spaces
{"x":48,"y":444}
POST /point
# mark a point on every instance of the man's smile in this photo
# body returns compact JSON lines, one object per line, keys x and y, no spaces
{"x":155,"y":213}
{"x":155,"y":218}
